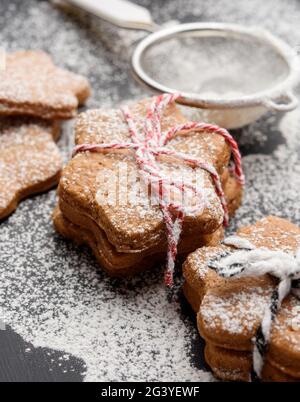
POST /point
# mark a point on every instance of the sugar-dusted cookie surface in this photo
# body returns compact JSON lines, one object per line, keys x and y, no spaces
{"x":84,"y":230}
{"x":32,"y":85}
{"x":272,"y":232}
{"x":30,"y":161}
{"x":231,"y":310}
{"x":137,"y":227}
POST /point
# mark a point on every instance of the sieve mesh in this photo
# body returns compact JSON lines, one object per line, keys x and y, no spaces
{"x":214,"y":64}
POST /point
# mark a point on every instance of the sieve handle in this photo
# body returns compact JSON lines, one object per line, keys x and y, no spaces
{"x":121,"y":13}
{"x":290,"y":102}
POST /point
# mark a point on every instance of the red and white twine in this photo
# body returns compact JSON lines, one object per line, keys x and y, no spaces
{"x":151,"y":144}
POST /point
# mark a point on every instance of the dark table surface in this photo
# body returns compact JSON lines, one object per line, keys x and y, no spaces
{"x":63,"y":318}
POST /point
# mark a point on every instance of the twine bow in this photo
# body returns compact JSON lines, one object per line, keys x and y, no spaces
{"x":148,"y":146}
{"x":252,"y":261}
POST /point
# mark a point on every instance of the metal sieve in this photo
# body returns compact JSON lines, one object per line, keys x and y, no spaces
{"x":235,"y":73}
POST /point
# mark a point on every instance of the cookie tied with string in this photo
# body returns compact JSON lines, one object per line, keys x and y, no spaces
{"x":83,"y":230}
{"x":32,"y":85}
{"x":165,"y":177}
{"x":246,"y":293}
{"x":30,"y":161}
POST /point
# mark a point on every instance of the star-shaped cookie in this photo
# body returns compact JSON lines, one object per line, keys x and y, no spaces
{"x":31,"y":84}
{"x":30,"y":161}
{"x":134,"y":225}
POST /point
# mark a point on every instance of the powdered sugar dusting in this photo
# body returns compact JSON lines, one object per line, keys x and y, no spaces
{"x":116,"y":329}
{"x":28,"y":157}
{"x":236,"y":314}
{"x":51,"y":293}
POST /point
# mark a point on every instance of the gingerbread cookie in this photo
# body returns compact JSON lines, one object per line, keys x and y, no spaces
{"x":32,"y":85}
{"x":176,"y":166}
{"x":30,"y":161}
{"x":117,"y":263}
{"x":247,"y":293}
{"x":85,"y":231}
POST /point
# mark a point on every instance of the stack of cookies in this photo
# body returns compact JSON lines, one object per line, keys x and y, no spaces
{"x":250,"y":318}
{"x":105,"y":203}
{"x":34,"y":95}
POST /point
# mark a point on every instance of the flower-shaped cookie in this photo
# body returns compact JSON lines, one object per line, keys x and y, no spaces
{"x":249,"y":320}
